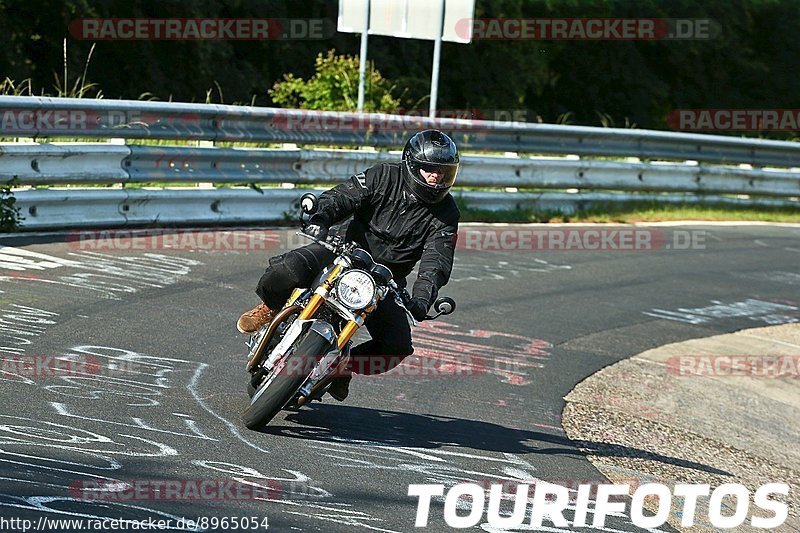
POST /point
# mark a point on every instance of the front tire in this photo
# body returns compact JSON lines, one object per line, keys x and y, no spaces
{"x":267,"y":401}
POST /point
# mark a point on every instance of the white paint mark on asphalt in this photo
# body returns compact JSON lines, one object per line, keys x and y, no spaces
{"x":137,"y":379}
{"x":299,"y":485}
{"x":18,"y":259}
{"x":752,"y":309}
{"x":18,"y":323}
{"x":63,"y":410}
{"x":448,"y":467}
{"x":774,"y":276}
{"x":142,"y":376}
{"x":114,"y":509}
{"x":115,"y":375}
{"x":192,"y":387}
{"x":104,"y":274}
{"x":500,"y":270}
{"x":295,"y":491}
{"x":345,"y":521}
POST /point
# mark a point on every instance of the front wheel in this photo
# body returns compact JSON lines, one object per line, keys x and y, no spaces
{"x":277,"y":390}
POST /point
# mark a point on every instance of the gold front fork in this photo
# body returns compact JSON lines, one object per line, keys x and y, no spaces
{"x":347,"y":332}
{"x":352,"y":326}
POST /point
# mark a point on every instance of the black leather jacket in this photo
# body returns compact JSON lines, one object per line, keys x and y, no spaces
{"x":395,"y":227}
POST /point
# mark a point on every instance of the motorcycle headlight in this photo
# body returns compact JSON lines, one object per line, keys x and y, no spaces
{"x":355,"y":289}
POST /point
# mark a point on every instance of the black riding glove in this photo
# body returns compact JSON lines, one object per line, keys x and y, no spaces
{"x":418,"y":308}
{"x":318,"y":231}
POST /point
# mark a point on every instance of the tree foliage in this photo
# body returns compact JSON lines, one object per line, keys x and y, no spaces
{"x":334,"y":86}
{"x":752,"y":63}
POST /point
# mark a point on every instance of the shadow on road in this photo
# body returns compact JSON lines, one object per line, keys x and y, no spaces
{"x":391,"y":428}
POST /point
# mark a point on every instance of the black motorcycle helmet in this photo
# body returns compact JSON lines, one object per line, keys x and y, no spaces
{"x":430,"y":151}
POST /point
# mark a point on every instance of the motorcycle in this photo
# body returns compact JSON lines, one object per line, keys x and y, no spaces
{"x":293,"y":359}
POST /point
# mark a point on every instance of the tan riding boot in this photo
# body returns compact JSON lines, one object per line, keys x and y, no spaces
{"x":255,"y":318}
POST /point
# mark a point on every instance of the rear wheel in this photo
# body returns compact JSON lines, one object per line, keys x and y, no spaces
{"x":276,"y":390}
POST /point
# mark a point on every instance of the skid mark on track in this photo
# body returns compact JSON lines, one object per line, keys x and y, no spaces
{"x":476,"y":351}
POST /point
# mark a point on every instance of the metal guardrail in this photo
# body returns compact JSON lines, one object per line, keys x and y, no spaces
{"x":59,"y":163}
{"x":63,"y":163}
{"x":70,"y":208}
{"x":594,"y":180}
{"x":42,"y":117}
{"x":85,"y":208}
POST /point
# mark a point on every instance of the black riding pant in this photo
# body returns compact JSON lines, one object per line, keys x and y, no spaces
{"x":387,"y":325}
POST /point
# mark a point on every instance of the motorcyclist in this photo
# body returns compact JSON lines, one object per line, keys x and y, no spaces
{"x":403,"y":213}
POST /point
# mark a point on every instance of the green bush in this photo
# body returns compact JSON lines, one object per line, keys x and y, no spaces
{"x":334,"y":87}
{"x":9,"y":212}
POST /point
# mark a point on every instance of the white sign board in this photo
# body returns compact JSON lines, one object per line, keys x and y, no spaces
{"x":409,"y":19}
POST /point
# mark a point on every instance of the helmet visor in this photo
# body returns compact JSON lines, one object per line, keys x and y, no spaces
{"x":434,"y":175}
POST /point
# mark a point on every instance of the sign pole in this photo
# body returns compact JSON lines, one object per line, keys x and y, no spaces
{"x":362,"y":66}
{"x":437,"y":52}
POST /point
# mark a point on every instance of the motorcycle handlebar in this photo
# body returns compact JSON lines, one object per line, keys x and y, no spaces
{"x":402,"y":296}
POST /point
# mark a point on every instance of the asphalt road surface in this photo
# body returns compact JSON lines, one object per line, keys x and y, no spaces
{"x":123,"y":381}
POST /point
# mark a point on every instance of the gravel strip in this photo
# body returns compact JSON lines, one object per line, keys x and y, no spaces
{"x":644,"y":419}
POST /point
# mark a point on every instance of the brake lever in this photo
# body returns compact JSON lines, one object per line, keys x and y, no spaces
{"x":398,"y":298}
{"x":325,"y":244}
